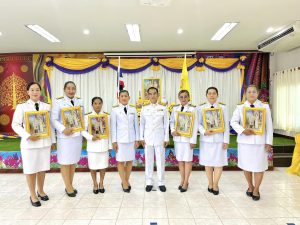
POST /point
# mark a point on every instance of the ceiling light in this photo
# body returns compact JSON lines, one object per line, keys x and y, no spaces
{"x":86,"y":31}
{"x":179,"y":31}
{"x":0,"y":33}
{"x":42,"y":32}
{"x":133,"y":32}
{"x":221,"y":33}
{"x":270,"y":30}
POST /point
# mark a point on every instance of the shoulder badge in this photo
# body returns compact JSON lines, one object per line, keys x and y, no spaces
{"x":88,"y":113}
{"x":60,"y":97}
{"x":106,"y":113}
{"x":192,"y":105}
{"x":221,"y":103}
{"x":265,"y":102}
{"x":115,"y":106}
{"x":241,"y":103}
{"x":78,"y":97}
{"x":132,"y":105}
{"x":202,"y":104}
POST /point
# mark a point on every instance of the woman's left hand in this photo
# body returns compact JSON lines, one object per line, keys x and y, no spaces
{"x":53,"y":147}
{"x":268,"y":148}
{"x":225,"y":146}
{"x":192,"y":146}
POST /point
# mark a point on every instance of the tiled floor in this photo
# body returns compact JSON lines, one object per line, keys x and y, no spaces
{"x":280,"y":202}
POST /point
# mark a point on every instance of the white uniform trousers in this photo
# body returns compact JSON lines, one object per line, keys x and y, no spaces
{"x":160,"y":164}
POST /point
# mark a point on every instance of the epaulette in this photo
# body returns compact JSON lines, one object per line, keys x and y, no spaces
{"x":241,"y":103}
{"x":221,"y":103}
{"x":78,"y":97}
{"x":114,"y":106}
{"x":60,"y":97}
{"x":106,"y":113}
{"x":177,"y":105}
{"x":202,"y":104}
{"x":88,"y":113}
{"x":132,"y":105}
{"x":265,"y":102}
{"x":192,"y":105}
{"x":146,"y":103}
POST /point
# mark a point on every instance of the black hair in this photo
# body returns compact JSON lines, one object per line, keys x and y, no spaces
{"x":33,"y":83}
{"x":95,"y":98}
{"x":69,"y":82}
{"x":153,"y":88}
{"x":212,"y":88}
{"x":123,"y":91}
{"x":184,"y":91}
{"x":252,"y":85}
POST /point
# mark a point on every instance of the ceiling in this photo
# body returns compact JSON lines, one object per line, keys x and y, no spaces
{"x":105,"y":19}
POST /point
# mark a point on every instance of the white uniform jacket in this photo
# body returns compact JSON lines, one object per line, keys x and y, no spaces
{"x":154,"y":124}
{"x":124,"y":127}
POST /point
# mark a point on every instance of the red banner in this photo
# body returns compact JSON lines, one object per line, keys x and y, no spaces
{"x":15,"y":74}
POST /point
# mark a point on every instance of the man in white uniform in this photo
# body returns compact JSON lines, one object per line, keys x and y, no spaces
{"x":154,"y":135}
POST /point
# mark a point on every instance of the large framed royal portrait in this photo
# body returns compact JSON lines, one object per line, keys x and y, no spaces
{"x":151,"y":82}
{"x":72,"y":118}
{"x":184,"y":123}
{"x":255,"y":119}
{"x":213,"y":119}
{"x":38,"y":123}
{"x":98,"y":125}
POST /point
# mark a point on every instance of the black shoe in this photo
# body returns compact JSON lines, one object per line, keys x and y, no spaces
{"x":183,"y":190}
{"x":248,"y":193}
{"x":215,"y":192}
{"x":125,"y":190}
{"x":129,"y":187}
{"x":94,"y":191}
{"x":149,"y":188}
{"x":162,"y":188}
{"x":43,"y":198}
{"x":179,"y":187}
{"x":210,"y":190}
{"x":101,"y":190}
{"x":73,"y":194}
{"x":35,"y":204}
{"x":75,"y":191}
{"x":256,"y":197}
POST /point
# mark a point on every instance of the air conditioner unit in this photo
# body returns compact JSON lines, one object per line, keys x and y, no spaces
{"x":285,"y":40}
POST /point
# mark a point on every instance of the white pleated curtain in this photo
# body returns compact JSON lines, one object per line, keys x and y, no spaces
{"x":103,"y":83}
{"x":285,"y":101}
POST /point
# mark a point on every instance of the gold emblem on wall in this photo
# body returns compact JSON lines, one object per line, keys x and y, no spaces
{"x":13,"y":90}
{"x":4,"y":120}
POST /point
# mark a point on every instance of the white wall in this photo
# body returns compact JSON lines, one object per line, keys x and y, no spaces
{"x":282,"y":61}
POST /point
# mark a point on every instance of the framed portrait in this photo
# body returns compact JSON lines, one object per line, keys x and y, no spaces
{"x":255,"y":119}
{"x":151,"y":82}
{"x":38,"y":123}
{"x":98,"y":125}
{"x":72,"y":118}
{"x":185,"y":123}
{"x":213,"y":119}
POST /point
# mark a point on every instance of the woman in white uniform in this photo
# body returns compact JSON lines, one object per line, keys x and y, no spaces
{"x":184,"y":146}
{"x":125,"y":137}
{"x":253,"y":149}
{"x":35,"y":151}
{"x":69,"y":143}
{"x":97,"y":148}
{"x":213,"y":146}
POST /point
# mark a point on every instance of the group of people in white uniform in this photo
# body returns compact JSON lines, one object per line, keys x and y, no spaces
{"x":152,"y":132}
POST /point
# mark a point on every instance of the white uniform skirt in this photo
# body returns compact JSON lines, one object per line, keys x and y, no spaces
{"x":183,"y":151}
{"x":126,"y":152}
{"x":35,"y":160}
{"x":252,"y":157}
{"x":69,"y":150}
{"x":212,"y":154}
{"x":98,"y":160}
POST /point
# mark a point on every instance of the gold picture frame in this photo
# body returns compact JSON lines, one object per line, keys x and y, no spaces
{"x":184,"y":124}
{"x":255,"y":119}
{"x":98,"y":125}
{"x":213,"y":119}
{"x":72,"y":118}
{"x":38,"y":123}
{"x":151,"y":82}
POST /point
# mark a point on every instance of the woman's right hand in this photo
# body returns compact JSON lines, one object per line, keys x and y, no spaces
{"x":209,"y":132}
{"x":96,"y":138}
{"x":33,"y":138}
{"x":68,"y":131}
{"x":248,"y":132}
{"x":115,"y":146}
{"x":175,"y":133}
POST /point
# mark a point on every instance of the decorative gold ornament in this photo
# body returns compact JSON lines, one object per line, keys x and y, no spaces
{"x":4,"y":120}
{"x":24,"y":68}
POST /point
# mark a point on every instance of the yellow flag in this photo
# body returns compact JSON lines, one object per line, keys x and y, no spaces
{"x":184,"y":82}
{"x":14,"y":93}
